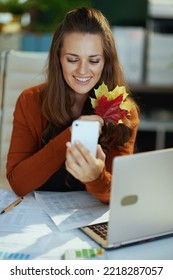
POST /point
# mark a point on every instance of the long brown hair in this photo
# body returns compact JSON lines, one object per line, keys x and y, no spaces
{"x":59,"y":97}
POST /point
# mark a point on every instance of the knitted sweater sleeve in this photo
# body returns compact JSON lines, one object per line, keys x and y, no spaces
{"x":28,"y":164}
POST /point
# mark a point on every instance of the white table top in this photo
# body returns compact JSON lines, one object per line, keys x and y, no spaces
{"x":53,"y":246}
{"x":41,"y":241}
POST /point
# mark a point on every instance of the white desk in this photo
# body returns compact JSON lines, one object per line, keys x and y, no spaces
{"x":44,"y":242}
{"x":55,"y":244}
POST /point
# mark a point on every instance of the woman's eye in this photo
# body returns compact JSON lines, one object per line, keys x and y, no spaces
{"x":76,"y":60}
{"x":94,"y":61}
{"x":72,"y":60}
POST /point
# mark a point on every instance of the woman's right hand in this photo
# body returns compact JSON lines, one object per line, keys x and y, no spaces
{"x":82,"y":164}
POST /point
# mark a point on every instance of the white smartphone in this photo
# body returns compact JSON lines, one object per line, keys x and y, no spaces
{"x":86,"y":132}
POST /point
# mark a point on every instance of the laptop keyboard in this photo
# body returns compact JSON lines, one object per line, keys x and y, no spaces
{"x":100,"y":229}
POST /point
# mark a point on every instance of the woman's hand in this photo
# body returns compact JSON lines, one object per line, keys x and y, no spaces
{"x":82,"y":164}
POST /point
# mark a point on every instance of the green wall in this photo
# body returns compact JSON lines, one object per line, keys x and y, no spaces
{"x":123,"y":12}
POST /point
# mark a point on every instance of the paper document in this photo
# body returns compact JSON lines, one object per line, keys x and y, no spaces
{"x":26,"y":216}
{"x":26,"y":231}
{"x":71,"y":210}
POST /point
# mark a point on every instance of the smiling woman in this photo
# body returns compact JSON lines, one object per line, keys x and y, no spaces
{"x":82,"y":56}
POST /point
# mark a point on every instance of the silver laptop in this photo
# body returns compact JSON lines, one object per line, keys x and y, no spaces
{"x":141,"y":205}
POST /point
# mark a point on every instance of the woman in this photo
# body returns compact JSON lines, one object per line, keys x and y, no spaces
{"x":82,"y":56}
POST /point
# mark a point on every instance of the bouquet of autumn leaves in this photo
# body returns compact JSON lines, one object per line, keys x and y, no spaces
{"x":113,"y":106}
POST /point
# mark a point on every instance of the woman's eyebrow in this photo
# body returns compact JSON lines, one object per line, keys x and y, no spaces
{"x":76,"y":55}
{"x":73,"y":54}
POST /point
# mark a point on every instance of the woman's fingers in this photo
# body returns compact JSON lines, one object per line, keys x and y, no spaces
{"x":82,"y":164}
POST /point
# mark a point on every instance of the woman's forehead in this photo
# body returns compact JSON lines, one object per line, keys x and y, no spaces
{"x":82,"y":42}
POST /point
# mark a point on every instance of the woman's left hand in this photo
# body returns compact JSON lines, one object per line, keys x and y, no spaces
{"x":82,"y":164}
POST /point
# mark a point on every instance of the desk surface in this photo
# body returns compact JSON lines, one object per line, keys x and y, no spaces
{"x":53,"y":245}
{"x":43,"y":242}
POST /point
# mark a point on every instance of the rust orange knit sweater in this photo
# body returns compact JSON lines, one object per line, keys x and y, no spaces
{"x":29,"y":165}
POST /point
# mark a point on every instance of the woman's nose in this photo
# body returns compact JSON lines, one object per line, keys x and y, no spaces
{"x":83,"y":67}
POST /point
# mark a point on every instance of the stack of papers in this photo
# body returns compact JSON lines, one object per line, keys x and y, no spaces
{"x":33,"y":228}
{"x":70,"y":210}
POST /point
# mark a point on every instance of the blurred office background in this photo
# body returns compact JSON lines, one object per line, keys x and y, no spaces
{"x":143,"y":31}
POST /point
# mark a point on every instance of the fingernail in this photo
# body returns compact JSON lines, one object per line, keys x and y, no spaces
{"x":68,"y":144}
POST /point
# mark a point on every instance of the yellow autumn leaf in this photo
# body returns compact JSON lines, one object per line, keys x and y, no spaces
{"x":121,"y":90}
{"x":126,"y":105}
{"x":120,"y":121}
{"x":94,"y":102}
{"x":102,"y":90}
{"x":111,"y":95}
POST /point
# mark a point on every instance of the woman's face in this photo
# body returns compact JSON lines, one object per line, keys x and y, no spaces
{"x":82,"y":61}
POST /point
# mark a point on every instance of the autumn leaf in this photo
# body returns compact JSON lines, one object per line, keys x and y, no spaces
{"x":110,"y":110}
{"x":112,"y":106}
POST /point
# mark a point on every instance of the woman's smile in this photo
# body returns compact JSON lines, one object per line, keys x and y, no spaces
{"x":83,"y":80}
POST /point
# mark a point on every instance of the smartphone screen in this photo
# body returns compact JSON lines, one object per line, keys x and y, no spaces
{"x":86,"y":132}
